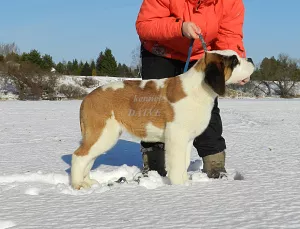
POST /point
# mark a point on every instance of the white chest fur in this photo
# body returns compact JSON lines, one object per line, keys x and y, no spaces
{"x":191,"y":116}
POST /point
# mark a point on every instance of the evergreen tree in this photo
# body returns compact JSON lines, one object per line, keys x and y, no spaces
{"x":75,"y":67}
{"x":120,"y":70}
{"x":69,"y":68}
{"x":93,"y":64}
{"x":128,"y":72}
{"x":65,"y":67}
{"x":98,"y":61}
{"x":93,"y":68}
{"x":86,"y":70}
{"x":35,"y":57}
{"x":124,"y":71}
{"x":60,"y":68}
{"x":108,"y":64}
{"x":94,"y":72}
{"x":24,"y":56}
{"x":47,"y":62}
{"x":1,"y":58}
{"x":80,"y":67}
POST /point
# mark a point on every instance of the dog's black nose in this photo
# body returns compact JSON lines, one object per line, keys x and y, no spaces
{"x":250,"y":60}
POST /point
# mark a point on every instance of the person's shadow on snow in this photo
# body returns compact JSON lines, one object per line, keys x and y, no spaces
{"x":124,"y":152}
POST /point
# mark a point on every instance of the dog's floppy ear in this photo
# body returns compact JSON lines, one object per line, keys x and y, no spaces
{"x":214,"y":72}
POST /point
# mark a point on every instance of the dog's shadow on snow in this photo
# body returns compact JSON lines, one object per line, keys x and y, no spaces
{"x":124,"y":152}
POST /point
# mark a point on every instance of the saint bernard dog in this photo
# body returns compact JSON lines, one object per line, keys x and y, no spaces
{"x":171,"y":110}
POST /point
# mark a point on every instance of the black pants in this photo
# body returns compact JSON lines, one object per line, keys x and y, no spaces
{"x":157,"y":67}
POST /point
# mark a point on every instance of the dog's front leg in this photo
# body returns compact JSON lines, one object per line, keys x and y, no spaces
{"x":176,"y":145}
{"x":188,"y":154}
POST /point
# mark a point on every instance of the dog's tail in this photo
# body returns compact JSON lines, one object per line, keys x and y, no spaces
{"x":82,"y":119}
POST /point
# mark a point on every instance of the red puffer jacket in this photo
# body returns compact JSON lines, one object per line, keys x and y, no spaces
{"x":159,"y":25}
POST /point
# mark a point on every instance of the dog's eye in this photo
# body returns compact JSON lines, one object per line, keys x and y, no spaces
{"x":234,"y":61}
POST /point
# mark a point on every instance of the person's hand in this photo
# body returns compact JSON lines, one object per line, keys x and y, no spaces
{"x":190,"y":30}
{"x":243,"y":82}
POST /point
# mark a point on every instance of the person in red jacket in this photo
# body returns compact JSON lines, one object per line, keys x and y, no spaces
{"x":165,"y":28}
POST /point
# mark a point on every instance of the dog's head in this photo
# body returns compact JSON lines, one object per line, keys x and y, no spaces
{"x":225,"y":67}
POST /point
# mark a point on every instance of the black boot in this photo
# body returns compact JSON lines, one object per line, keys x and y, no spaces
{"x":154,"y":159}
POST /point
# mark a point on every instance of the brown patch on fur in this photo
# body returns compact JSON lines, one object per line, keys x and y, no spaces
{"x":200,"y":65}
{"x":132,"y":83}
{"x":132,"y":106}
{"x":150,"y":85}
{"x":174,"y":90}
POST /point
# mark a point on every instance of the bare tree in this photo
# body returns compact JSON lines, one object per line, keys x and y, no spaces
{"x":6,"y":49}
{"x":30,"y":81}
{"x":263,"y":84}
{"x":280,"y":74}
{"x":136,"y":60}
{"x":287,"y":75}
{"x":72,"y":91}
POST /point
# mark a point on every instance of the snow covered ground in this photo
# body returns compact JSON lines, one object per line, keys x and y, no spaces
{"x":37,"y":139}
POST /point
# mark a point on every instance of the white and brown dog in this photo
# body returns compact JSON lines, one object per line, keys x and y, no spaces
{"x":171,"y":110}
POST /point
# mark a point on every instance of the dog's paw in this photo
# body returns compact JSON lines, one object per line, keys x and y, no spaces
{"x":77,"y":186}
{"x":178,"y":179}
{"x":82,"y":185}
{"x":86,"y":184}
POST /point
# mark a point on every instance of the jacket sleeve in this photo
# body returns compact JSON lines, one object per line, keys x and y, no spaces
{"x":155,"y":23}
{"x":230,"y":34}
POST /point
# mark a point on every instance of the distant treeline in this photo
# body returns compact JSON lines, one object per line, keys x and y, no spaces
{"x":104,"y":65}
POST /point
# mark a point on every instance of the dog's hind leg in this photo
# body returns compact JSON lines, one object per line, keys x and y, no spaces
{"x":79,"y":165}
{"x":176,"y":145}
{"x":83,"y":158}
{"x":86,"y":175}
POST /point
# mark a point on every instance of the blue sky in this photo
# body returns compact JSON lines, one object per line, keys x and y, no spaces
{"x":68,"y":29}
